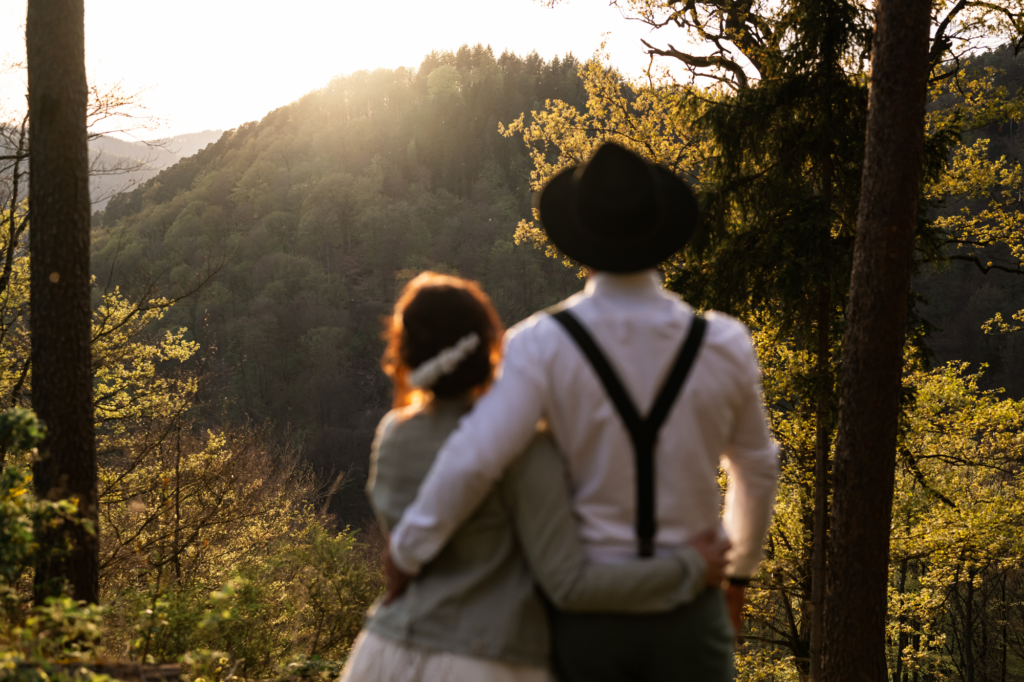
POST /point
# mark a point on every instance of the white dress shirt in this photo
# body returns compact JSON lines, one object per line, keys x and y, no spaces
{"x":718,"y":418}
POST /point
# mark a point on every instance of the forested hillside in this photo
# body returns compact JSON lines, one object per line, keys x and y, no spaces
{"x":302,"y":227}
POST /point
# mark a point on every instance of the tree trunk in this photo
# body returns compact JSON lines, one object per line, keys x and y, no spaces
{"x":59,"y":294}
{"x":864,"y":462}
{"x":823,"y":412}
{"x":822,"y":442}
{"x":916,"y":625}
{"x":901,"y":636}
{"x":1003,"y":633}
{"x":969,"y":630}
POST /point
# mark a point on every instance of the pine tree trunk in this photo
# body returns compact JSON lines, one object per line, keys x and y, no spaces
{"x":901,"y":637}
{"x":969,"y":630}
{"x":1005,"y":618}
{"x":916,"y":625}
{"x":823,"y":416}
{"x":59,"y":294}
{"x":819,"y":560}
{"x":864,"y":463}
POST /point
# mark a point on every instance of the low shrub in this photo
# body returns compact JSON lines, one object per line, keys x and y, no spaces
{"x":281,"y":595}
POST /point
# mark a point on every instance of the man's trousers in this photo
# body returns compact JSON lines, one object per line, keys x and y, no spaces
{"x":691,"y":644}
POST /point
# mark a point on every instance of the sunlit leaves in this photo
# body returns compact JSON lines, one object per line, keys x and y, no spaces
{"x":128,"y":383}
{"x":981,"y":195}
{"x":648,"y":118}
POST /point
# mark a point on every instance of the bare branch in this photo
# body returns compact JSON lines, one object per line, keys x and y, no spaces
{"x":19,"y":385}
{"x":145,"y":304}
{"x":941,"y":43}
{"x":911,"y":463}
{"x":15,"y":227}
{"x":713,"y":61}
{"x":985,"y":267}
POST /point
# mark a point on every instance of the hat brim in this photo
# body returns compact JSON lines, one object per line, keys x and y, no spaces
{"x":564,"y":229}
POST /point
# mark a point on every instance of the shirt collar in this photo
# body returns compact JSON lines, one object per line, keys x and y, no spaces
{"x":646,"y":283}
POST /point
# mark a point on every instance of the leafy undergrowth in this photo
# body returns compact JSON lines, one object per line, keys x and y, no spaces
{"x":286,"y":609}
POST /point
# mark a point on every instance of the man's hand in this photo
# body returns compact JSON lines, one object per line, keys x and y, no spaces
{"x":712,"y":547}
{"x":394,"y":579}
{"x":734,"y":597}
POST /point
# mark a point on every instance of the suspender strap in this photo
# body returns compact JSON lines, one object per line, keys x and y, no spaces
{"x":643,"y":432}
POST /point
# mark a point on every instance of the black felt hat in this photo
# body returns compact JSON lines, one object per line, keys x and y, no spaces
{"x":618,"y":212}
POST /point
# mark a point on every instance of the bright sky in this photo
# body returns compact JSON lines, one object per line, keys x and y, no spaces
{"x":208,"y":64}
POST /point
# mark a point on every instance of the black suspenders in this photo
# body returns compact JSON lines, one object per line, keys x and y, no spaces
{"x":642,"y":431}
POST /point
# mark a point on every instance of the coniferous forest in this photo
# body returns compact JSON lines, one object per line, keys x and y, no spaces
{"x":239,"y":298}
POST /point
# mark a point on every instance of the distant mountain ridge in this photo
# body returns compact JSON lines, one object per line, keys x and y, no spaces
{"x":187,"y":144}
{"x":122,"y":165}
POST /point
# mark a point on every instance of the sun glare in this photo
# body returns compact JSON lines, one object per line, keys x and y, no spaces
{"x":205,"y":64}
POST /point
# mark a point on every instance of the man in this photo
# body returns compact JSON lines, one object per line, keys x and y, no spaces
{"x":641,"y":485}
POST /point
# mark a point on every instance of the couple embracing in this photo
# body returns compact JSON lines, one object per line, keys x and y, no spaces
{"x":562,"y":519}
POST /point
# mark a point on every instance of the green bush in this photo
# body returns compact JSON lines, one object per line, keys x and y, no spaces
{"x":288,"y":609}
{"x":56,"y":642}
{"x":295,"y":614}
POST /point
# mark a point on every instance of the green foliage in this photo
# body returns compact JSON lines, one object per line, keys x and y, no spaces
{"x":303,"y":602}
{"x":290,"y":606}
{"x":21,"y":514}
{"x":978,"y":202}
{"x":20,"y":430}
{"x":50,"y":641}
{"x":956,"y":535}
{"x":957,"y":516}
{"x":311,"y":668}
{"x":57,"y":642}
{"x":185,"y":507}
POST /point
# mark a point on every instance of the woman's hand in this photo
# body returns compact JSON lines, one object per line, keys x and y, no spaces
{"x":394,"y":580}
{"x":712,"y":546}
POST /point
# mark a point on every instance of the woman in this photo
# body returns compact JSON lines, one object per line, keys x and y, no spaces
{"x":474,"y":613}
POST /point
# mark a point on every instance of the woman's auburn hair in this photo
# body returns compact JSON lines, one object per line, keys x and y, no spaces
{"x":432,"y":313}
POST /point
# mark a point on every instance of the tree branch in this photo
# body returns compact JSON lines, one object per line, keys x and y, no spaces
{"x":694,"y":61}
{"x":919,"y":476}
{"x":940,"y":43}
{"x":988,"y":266}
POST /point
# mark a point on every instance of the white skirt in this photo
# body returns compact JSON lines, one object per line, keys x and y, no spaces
{"x":378,"y":659}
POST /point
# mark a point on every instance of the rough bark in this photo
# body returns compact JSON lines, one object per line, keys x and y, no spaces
{"x":59,"y":291}
{"x":822,"y":443}
{"x":823,"y":413}
{"x":864,"y":463}
{"x":901,"y":638}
